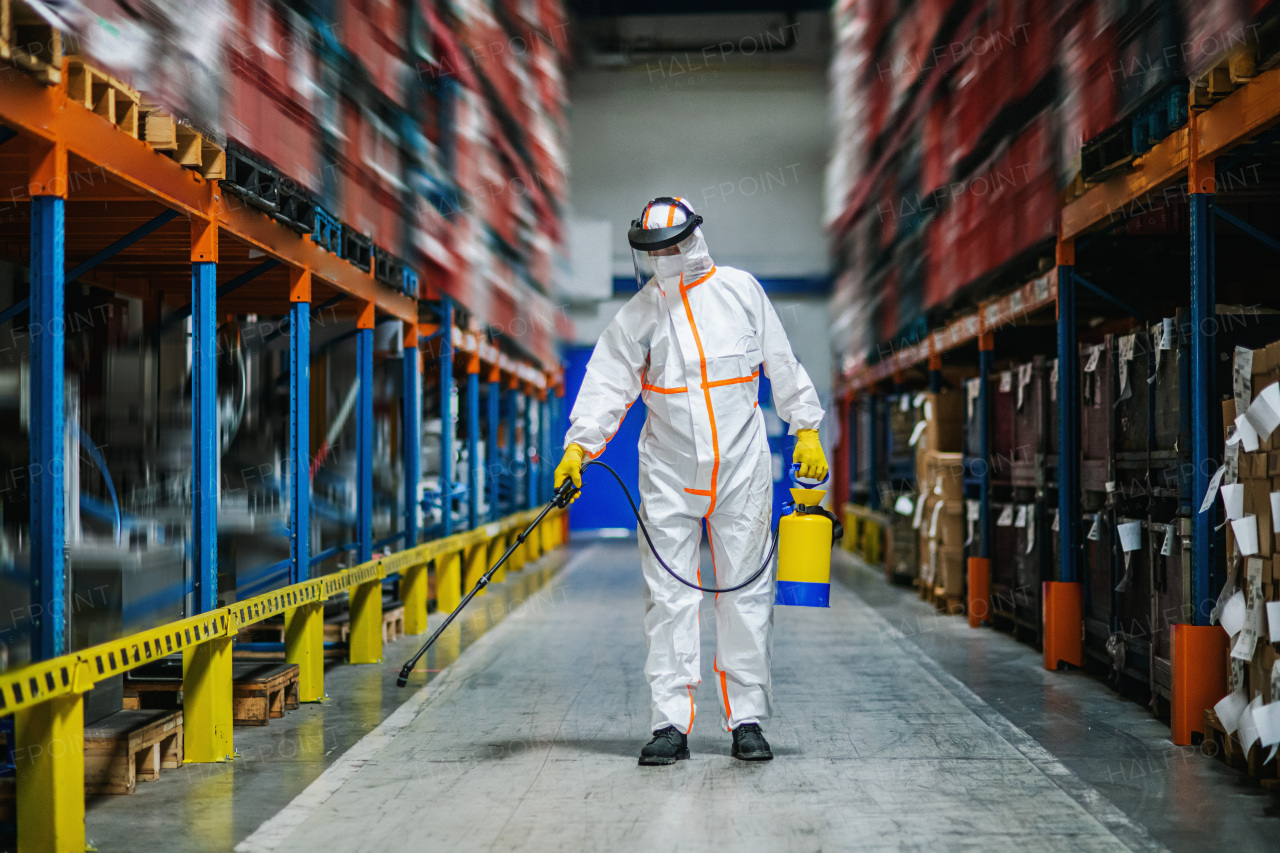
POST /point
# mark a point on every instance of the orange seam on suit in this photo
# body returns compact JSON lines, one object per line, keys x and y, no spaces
{"x":704,"y":492}
{"x":659,"y":390}
{"x":671,"y":216}
{"x":735,"y":380}
{"x":715,"y":661}
{"x":702,"y":362}
{"x":691,"y":711}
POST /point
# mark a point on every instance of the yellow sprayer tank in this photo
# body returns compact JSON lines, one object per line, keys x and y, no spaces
{"x":804,"y":552}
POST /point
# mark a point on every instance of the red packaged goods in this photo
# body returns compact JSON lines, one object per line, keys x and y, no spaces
{"x":372,"y":191}
{"x":376,"y":32}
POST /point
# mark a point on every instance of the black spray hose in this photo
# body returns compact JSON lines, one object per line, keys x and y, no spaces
{"x":768,"y":558}
{"x":563,"y":497}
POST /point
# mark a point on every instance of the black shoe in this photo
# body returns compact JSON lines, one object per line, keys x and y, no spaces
{"x":749,"y":743}
{"x":667,"y":747}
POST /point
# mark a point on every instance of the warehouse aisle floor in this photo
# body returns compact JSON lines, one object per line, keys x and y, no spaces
{"x":529,"y":742}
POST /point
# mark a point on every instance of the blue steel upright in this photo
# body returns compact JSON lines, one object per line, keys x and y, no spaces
{"x":300,"y":441}
{"x":512,"y":456}
{"x":986,"y":359}
{"x":493,"y":453}
{"x":1203,"y":350}
{"x":364,"y":446}
{"x":1068,"y":426}
{"x":446,"y":415}
{"x":530,"y":468}
{"x":411,"y":429}
{"x":48,"y":517}
{"x":473,"y":447}
{"x":544,"y":449}
{"x":204,"y":434}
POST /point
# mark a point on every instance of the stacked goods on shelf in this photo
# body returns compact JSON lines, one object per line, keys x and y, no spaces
{"x":423,"y":143}
{"x":1251,"y":486}
{"x":959,"y":128}
{"x":940,"y":511}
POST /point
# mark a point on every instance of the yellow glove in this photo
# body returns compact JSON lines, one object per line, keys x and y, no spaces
{"x":813,"y":462}
{"x":570,"y":467}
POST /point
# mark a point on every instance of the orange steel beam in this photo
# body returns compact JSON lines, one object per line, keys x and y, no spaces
{"x":1243,"y":114}
{"x":45,"y":112}
{"x":1107,"y":201}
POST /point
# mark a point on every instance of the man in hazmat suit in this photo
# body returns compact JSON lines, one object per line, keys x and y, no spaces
{"x":692,"y":344}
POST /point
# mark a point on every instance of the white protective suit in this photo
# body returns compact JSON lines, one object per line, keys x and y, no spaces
{"x":692,"y":345}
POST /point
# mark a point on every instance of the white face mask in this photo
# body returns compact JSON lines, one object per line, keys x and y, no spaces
{"x":669,"y":266}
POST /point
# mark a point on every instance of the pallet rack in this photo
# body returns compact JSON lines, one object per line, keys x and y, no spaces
{"x":141,"y":221}
{"x":1193,"y":160}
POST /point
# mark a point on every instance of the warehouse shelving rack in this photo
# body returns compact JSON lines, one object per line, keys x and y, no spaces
{"x":141,"y":221}
{"x":1192,"y":153}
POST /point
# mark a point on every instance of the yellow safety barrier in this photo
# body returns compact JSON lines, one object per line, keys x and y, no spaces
{"x":47,"y":698}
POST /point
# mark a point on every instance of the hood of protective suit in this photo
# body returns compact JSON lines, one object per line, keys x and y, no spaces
{"x":693,"y":261}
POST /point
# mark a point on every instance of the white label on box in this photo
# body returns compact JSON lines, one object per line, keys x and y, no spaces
{"x":1006,"y":381}
{"x":933,"y":522}
{"x":1006,"y":516}
{"x":904,"y":403}
{"x":1212,"y":491}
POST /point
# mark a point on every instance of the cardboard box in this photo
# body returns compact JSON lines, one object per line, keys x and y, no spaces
{"x":942,"y":475}
{"x":949,"y":570}
{"x":952,"y":529}
{"x":944,"y":431}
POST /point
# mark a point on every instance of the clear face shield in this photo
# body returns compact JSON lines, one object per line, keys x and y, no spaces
{"x":653,"y":249}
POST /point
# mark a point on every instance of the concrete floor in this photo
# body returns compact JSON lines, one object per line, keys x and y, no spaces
{"x":895,"y":729}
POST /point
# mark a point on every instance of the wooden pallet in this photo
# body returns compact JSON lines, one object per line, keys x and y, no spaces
{"x":98,"y":91}
{"x":1232,"y":70}
{"x":260,"y":692}
{"x":182,"y":142}
{"x":28,"y":42}
{"x":129,"y":746}
{"x":950,"y":604}
{"x":1218,"y":744}
{"x":263,"y":692}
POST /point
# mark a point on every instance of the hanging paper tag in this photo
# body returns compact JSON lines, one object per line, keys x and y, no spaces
{"x":1130,"y":535}
{"x":1275,"y":512}
{"x":1267,"y":721}
{"x":1020,"y":520}
{"x":973,"y":513}
{"x":1273,"y":629}
{"x":1031,"y":527}
{"x":1264,"y":413}
{"x":1094,"y":534}
{"x":1242,"y":378}
{"x":1006,"y":516}
{"x":1166,"y":333}
{"x":1006,"y":381}
{"x":1125,"y":348}
{"x":928,"y":410}
{"x":1055,"y":521}
{"x":1167,"y":548}
{"x":916,"y":433}
{"x":1053,"y":381}
{"x":1024,"y":379}
{"x":1248,"y":727}
{"x":1246,"y":534}
{"x":1092,"y":364}
{"x":904,"y":505}
{"x":1233,"y":614}
{"x":1232,"y":458}
{"x":1245,"y":434}
{"x":933,"y":522}
{"x":1128,"y":571}
{"x":904,"y":403}
{"x":1229,"y":709}
{"x":918,"y":401}
{"x":1224,"y":596}
{"x":919,"y":516}
{"x":1212,"y":491}
{"x":972,"y":389}
{"x":1233,"y":500}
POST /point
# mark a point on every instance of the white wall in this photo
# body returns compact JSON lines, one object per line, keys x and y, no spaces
{"x":745,"y":142}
